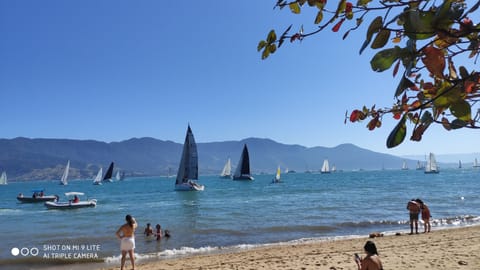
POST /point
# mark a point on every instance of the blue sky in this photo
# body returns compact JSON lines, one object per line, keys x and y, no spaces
{"x":113,"y":70}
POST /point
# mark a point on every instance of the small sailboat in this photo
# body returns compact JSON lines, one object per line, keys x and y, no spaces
{"x":459,"y":164}
{"x":117,"y":176}
{"x":325,"y":167}
{"x":3,"y":179}
{"x":243,"y":168}
{"x":404,"y":165}
{"x":227,"y":170}
{"x":420,"y":165}
{"x":108,"y":175}
{"x":276,"y":179}
{"x":63,"y":180}
{"x":98,"y":179}
{"x":475,"y":163}
{"x":187,"y":175}
{"x":431,"y":165}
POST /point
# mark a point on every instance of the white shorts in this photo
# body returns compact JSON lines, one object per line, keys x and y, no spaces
{"x":127,"y":243}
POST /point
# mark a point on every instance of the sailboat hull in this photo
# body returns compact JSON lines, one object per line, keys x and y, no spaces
{"x":243,"y":178}
{"x":189,"y":186}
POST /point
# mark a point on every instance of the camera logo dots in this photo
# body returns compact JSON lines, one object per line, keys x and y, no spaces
{"x":25,"y":251}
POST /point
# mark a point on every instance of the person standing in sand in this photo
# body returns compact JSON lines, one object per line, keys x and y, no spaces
{"x":414,"y":210}
{"x":371,"y":261}
{"x":425,"y":216}
{"x":126,"y":234}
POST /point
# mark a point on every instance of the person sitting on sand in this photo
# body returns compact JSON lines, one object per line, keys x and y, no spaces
{"x":414,"y":209}
{"x":371,"y":261}
{"x":148,"y":230}
{"x":425,"y":216}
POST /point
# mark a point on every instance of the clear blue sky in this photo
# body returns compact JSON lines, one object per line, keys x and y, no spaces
{"x":113,"y":70}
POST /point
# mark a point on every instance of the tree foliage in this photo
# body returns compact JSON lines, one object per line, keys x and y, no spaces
{"x":420,"y":42}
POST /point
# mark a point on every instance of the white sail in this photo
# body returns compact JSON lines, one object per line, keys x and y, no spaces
{"x":227,"y":170}
{"x":3,"y":179}
{"x":404,"y":165}
{"x":475,"y":163}
{"x":431,"y":164}
{"x":188,"y":169}
{"x":325,"y":167}
{"x":117,"y":176}
{"x":98,"y":179}
{"x":63,"y":180}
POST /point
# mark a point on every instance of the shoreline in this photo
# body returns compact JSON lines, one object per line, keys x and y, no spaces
{"x":449,"y":248}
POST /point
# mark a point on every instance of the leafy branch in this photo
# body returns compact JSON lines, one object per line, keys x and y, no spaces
{"x":427,"y":41}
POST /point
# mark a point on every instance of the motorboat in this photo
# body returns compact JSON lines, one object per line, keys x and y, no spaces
{"x":72,"y":203}
{"x":37,"y":196}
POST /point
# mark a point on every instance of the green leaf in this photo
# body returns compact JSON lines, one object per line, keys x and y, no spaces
{"x":319,"y":17}
{"x":457,"y":123}
{"x":383,"y":60}
{"x":404,"y":84}
{"x":265,"y":53}
{"x":294,"y":7}
{"x":419,"y":24}
{"x":374,"y":27}
{"x":261,"y":45}
{"x":363,"y":3}
{"x":381,"y":39}
{"x":271,"y":37}
{"x":397,"y":135}
{"x":341,"y":6}
{"x":461,"y":110}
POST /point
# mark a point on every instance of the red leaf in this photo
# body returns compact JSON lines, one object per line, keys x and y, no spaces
{"x":337,"y":26}
{"x":434,"y":60}
{"x":397,"y":115}
{"x":395,"y":69}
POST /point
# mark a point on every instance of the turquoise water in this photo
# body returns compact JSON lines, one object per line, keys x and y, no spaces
{"x":228,"y":214}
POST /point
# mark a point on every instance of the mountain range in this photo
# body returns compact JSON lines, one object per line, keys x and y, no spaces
{"x":34,"y":159}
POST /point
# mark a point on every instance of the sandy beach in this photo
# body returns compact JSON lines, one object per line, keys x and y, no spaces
{"x":457,"y":248}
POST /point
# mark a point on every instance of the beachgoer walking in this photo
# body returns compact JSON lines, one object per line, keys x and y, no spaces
{"x":371,"y":261}
{"x":126,"y":234}
{"x":148,"y":230}
{"x":425,"y":216}
{"x":414,"y":209}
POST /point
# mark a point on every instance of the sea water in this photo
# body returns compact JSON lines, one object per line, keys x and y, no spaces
{"x":227,"y":215}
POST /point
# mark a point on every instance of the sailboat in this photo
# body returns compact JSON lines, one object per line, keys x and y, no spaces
{"x":431,"y":164}
{"x":227,"y":170}
{"x":63,"y":180}
{"x":475,"y":163}
{"x":98,"y":179}
{"x":117,"y":176}
{"x":404,"y":165}
{"x":243,"y":168}
{"x":3,"y":179}
{"x":276,"y":179}
{"x":459,"y":164}
{"x":325,"y":167}
{"x":420,"y":165}
{"x":187,"y":175}
{"x":108,"y":175}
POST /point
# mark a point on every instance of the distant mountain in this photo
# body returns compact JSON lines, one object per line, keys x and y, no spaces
{"x":31,"y":159}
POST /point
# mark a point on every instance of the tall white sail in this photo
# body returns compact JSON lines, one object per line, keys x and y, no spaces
{"x":404,"y":165}
{"x":475,"y":163}
{"x":63,"y":180}
{"x":325,"y":167}
{"x":3,"y":179}
{"x":98,"y":179}
{"x":431,"y":164}
{"x":227,"y":170}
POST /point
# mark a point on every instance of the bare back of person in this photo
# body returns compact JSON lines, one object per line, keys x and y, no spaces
{"x":371,"y":262}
